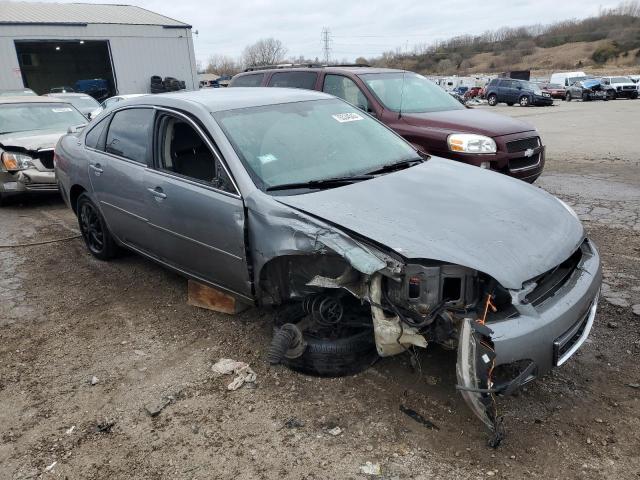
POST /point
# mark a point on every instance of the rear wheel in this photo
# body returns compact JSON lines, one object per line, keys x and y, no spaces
{"x":492,"y":99}
{"x":94,"y":230}
{"x":524,"y":101}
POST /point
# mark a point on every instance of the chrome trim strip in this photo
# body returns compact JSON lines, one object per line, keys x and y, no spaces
{"x":585,"y":333}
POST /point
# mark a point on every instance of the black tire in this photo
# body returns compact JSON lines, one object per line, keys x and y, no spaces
{"x":611,"y":95}
{"x":95,"y":232}
{"x":567,"y":96}
{"x":585,"y":97}
{"x":335,"y":358}
{"x":634,"y":96}
{"x":524,"y":101}
{"x":156,"y":80}
{"x":492,"y":100}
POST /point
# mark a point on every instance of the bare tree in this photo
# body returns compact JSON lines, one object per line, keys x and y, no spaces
{"x":222,"y":65}
{"x":267,"y":51}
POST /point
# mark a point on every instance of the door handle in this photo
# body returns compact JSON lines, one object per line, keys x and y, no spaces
{"x":158,"y":193}
{"x":97,"y":168}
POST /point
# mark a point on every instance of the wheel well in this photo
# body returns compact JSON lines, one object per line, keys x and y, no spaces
{"x":75,"y":192}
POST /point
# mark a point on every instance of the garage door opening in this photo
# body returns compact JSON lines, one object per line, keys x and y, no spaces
{"x":80,"y":65}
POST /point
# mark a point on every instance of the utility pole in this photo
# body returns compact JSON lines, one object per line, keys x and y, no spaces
{"x":326,"y":44}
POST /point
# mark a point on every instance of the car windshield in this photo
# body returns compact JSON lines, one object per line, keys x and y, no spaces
{"x":312,"y":140}
{"x":620,"y":80}
{"x":84,"y":102}
{"x":577,"y":79}
{"x":38,"y":116}
{"x":534,"y":87}
{"x":409,"y":92}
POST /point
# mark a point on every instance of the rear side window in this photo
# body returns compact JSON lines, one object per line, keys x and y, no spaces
{"x":254,"y":80}
{"x":305,"y":80}
{"x":345,"y":88}
{"x":92,"y":138}
{"x":129,"y":134}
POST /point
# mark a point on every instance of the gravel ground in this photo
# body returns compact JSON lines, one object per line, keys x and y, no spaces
{"x":87,"y":347}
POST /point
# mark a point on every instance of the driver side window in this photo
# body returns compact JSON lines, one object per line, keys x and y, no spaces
{"x":184,"y":152}
{"x":345,"y":88}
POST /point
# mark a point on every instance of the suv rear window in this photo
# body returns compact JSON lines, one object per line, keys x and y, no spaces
{"x":305,"y":80}
{"x":254,"y":80}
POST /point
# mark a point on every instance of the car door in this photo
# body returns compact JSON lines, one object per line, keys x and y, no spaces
{"x":120,"y":149}
{"x":197,"y":214}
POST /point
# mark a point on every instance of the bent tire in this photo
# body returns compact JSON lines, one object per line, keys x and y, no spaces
{"x":492,"y":99}
{"x":335,"y":358}
{"x":524,"y":101}
{"x":95,"y":232}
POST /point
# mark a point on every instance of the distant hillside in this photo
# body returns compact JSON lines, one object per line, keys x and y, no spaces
{"x":609,"y":41}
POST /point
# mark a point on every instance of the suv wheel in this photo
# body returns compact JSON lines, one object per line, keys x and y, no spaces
{"x":492,"y":99}
{"x":524,"y":101}
{"x":94,"y":230}
{"x":585,"y":97}
{"x":567,"y":97}
{"x":611,"y":95}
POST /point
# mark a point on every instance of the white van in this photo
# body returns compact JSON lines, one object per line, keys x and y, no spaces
{"x":567,"y":78}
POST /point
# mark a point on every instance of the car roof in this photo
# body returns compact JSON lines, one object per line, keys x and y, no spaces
{"x":220,"y":99}
{"x":69,"y":94}
{"x":331,"y":69}
{"x":30,"y":99}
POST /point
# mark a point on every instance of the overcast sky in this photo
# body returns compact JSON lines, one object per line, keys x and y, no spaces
{"x":358,"y":28}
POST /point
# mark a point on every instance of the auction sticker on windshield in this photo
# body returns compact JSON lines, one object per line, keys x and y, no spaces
{"x":61,"y":110}
{"x":347,"y":117}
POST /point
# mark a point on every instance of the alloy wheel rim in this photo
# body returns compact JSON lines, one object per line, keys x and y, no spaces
{"x":91,"y":228}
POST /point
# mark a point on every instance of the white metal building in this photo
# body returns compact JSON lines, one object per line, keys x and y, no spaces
{"x":47,"y":45}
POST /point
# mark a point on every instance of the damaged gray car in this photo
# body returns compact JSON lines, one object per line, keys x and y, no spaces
{"x":364,"y":246}
{"x":30,"y":126}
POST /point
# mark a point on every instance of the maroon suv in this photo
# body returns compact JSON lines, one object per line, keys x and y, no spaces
{"x":420,"y":111}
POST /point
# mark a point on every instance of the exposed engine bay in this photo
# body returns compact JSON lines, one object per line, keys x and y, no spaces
{"x":411,"y":306}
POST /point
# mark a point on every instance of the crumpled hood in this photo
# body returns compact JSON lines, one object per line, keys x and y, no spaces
{"x":455,"y":213}
{"x":34,"y":140}
{"x":469,"y":120}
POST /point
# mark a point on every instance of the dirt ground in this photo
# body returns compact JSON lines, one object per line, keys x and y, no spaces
{"x":66,"y":318}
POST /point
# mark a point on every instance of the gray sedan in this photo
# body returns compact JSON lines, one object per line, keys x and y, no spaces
{"x":366,"y":247}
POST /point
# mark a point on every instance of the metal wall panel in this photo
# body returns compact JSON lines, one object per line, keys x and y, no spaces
{"x":137,"y":52}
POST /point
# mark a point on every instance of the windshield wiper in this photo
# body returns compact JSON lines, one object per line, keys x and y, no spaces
{"x":397,"y":165}
{"x":324,"y":183}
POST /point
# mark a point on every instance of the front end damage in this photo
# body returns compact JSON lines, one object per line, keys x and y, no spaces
{"x":504,"y":337}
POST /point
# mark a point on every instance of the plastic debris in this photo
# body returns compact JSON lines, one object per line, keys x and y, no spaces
{"x":335,"y":431}
{"x":94,"y":380}
{"x":69,"y":431}
{"x":418,"y":418}
{"x":244,"y":374}
{"x":50,"y":467}
{"x":371,"y":469}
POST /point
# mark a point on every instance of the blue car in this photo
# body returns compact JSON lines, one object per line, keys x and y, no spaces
{"x":511,"y":91}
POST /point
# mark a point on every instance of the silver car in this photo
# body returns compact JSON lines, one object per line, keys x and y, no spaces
{"x":30,"y":126}
{"x":365,"y":246}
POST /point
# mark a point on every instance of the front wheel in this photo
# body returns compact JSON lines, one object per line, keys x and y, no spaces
{"x":492,"y":100}
{"x":94,"y":230}
{"x":567,"y":97}
{"x":585,"y":97}
{"x":524,"y":101}
{"x":611,"y":95}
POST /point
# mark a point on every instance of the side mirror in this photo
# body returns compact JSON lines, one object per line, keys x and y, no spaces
{"x":76,"y":128}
